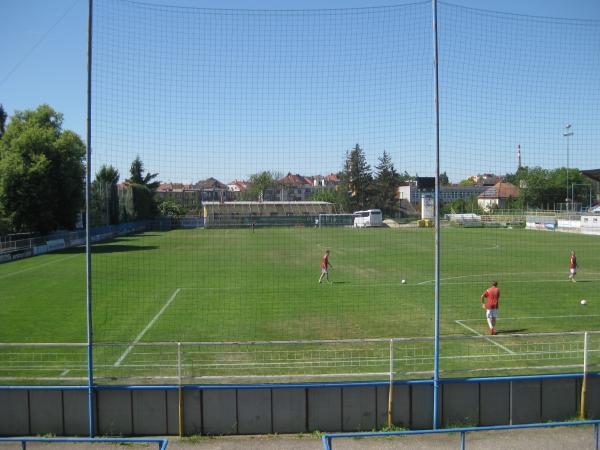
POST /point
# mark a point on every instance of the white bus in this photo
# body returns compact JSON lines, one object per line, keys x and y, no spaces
{"x":369,"y":218}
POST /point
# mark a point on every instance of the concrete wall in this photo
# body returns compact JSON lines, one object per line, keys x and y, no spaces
{"x":257,"y":410}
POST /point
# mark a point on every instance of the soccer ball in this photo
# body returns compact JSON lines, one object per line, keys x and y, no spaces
{"x":403,"y":281}
{"x":583,"y":302}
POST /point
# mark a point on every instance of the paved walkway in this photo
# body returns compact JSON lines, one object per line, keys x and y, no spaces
{"x":579,"y":438}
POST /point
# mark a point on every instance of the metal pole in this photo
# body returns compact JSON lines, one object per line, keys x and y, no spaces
{"x":462,"y":440}
{"x":391,"y":388}
{"x":436,"y":356}
{"x":596,"y":436}
{"x":567,"y":134}
{"x":180,"y":392}
{"x":88,"y":240}
{"x":584,"y":381}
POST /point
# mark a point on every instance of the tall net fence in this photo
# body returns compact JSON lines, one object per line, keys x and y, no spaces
{"x":231,"y":149}
{"x":257,"y":113}
{"x":520,"y":98}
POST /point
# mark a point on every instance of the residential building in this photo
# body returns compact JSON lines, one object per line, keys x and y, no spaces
{"x":449,"y":193}
{"x":498,"y":196}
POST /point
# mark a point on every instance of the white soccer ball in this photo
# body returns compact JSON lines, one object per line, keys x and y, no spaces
{"x":583,"y":302}
{"x":403,"y":281}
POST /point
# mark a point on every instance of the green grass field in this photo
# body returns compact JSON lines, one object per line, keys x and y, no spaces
{"x":235,"y":285}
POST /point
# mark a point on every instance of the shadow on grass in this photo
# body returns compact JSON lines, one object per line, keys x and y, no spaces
{"x":514,"y":331}
{"x":106,"y":248}
{"x":116,"y":248}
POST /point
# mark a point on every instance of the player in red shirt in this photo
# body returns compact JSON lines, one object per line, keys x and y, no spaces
{"x":492,"y":294}
{"x":572,"y":267}
{"x":325,"y":264}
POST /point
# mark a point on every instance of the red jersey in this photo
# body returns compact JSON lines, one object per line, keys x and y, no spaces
{"x":572,"y":262}
{"x":325,"y":261}
{"x":493,"y":295}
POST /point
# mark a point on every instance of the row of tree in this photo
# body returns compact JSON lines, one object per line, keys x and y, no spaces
{"x":42,"y":178}
{"x":42,"y":175}
{"x":134,"y":201}
{"x":41,"y":172}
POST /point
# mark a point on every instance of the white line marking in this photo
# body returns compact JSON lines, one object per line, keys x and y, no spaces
{"x":10,"y":274}
{"x":537,"y":317}
{"x":141,"y":335}
{"x":487,"y":339}
{"x":497,"y":275}
{"x":64,"y":372}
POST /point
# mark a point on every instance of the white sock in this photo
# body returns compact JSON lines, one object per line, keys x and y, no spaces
{"x":489,"y":321}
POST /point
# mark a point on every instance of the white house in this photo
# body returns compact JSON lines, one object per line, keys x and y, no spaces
{"x":497,"y":196}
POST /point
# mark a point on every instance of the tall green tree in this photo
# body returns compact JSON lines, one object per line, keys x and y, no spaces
{"x":105,"y":198}
{"x":356,"y":180}
{"x":444,"y":180}
{"x":3,"y":117}
{"x":41,"y":172}
{"x":259,"y":183}
{"x":136,"y":172}
{"x":386,"y":185}
{"x":137,"y":202}
{"x":543,"y":188}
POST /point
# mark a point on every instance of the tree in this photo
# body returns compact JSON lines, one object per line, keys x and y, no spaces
{"x":356,"y":180}
{"x":543,"y":188}
{"x":3,"y":117}
{"x":41,"y":172}
{"x":467,"y":182}
{"x":259,"y":183}
{"x":138,"y":201}
{"x":330,"y":195}
{"x":444,"y":180}
{"x":137,"y":176}
{"x":105,"y":197}
{"x":171,"y":208}
{"x":386,"y":185}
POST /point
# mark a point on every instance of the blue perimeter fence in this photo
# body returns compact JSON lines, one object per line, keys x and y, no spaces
{"x":25,"y":248}
{"x":327,"y":439}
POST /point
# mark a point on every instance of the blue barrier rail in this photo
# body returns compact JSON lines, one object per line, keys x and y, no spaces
{"x":328,"y":438}
{"x":162,"y":443}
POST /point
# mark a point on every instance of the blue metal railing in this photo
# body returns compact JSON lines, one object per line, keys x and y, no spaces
{"x":162,"y":443}
{"x":328,"y":438}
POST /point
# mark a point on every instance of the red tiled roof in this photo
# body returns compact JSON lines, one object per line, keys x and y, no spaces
{"x":294,"y":180}
{"x":501,"y":190}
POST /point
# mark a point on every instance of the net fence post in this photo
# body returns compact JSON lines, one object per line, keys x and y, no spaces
{"x":179,"y":391}
{"x":391,"y":388}
{"x":88,"y":242}
{"x":436,"y":355}
{"x":584,"y":381}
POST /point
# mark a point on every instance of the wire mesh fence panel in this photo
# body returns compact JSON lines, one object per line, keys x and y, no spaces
{"x":266,"y":175}
{"x":300,"y":361}
{"x":144,"y":363}
{"x":268,"y":119}
{"x":593,"y":353}
{"x":513,"y":354}
{"x":43,"y":363}
{"x":519,"y":103}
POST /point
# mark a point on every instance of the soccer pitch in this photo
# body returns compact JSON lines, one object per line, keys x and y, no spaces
{"x":210,"y":285}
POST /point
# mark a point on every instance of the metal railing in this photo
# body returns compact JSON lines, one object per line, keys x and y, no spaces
{"x":161,"y":442}
{"x":300,"y":360}
{"x":327,"y":439}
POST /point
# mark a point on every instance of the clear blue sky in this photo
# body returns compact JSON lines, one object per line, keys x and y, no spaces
{"x":494,"y":95}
